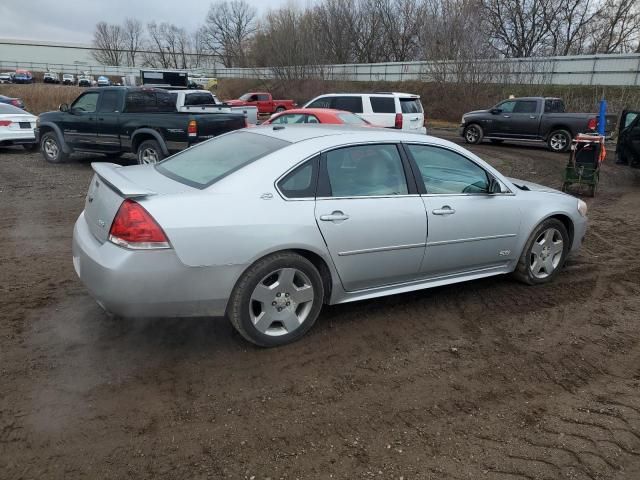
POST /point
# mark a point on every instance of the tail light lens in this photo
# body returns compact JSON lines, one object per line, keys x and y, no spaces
{"x":398,"y":122}
{"x":134,"y":228}
{"x":192,"y":129}
{"x":592,"y":124}
{"x":5,"y":123}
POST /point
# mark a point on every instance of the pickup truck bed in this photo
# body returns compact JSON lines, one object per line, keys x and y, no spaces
{"x":530,"y":119}
{"x":117,"y":120}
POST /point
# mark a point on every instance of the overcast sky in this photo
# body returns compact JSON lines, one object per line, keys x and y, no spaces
{"x":73,"y":21}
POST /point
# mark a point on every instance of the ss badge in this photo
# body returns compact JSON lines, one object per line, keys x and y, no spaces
{"x":504,"y":253}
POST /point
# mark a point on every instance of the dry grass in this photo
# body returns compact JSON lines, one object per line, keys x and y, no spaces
{"x":40,"y":97}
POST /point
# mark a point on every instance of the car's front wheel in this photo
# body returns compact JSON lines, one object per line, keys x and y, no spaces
{"x":277,"y":300}
{"x":51,"y":148}
{"x":473,"y":134}
{"x":544,"y":254}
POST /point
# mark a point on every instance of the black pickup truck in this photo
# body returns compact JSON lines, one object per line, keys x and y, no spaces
{"x":531,"y":119}
{"x":628,"y":146}
{"x":116,"y":120}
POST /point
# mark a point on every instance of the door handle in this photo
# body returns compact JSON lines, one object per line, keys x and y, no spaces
{"x":532,"y":116}
{"x":335,"y":216}
{"x":507,"y":116}
{"x":446,"y":210}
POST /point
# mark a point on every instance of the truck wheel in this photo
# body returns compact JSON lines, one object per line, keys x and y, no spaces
{"x":473,"y":134}
{"x":280,"y":109}
{"x":149,"y":153}
{"x":51,"y":148}
{"x":559,"y":141}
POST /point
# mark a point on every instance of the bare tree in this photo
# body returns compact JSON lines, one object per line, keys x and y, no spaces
{"x":368,"y":35}
{"x":132,"y":38}
{"x":108,"y":44}
{"x":401,"y":20}
{"x":228,"y":29}
{"x":335,"y":25}
{"x":617,"y":29}
{"x":569,"y":25}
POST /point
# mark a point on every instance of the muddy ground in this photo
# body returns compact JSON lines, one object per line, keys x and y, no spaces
{"x":484,"y":380}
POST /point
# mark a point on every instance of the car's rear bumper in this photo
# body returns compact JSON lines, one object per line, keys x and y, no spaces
{"x":151,"y":283}
{"x":18,"y":137}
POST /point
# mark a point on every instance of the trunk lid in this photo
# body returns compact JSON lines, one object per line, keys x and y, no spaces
{"x":112,"y":183}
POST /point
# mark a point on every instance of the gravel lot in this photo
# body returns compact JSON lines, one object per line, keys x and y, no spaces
{"x":484,"y":380}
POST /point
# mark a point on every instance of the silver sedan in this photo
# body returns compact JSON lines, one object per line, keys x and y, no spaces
{"x":265,"y":225}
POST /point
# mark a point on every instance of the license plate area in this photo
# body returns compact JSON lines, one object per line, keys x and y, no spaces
{"x":25,"y":125}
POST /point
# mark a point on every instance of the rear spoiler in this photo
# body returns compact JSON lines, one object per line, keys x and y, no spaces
{"x":111,"y":175}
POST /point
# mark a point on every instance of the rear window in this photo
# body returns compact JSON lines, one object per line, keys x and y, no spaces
{"x":410,"y":105}
{"x":383,"y":104}
{"x":5,"y":108}
{"x":199,"y":99}
{"x":214,"y":159}
{"x":553,"y":105}
{"x":351,"y":119}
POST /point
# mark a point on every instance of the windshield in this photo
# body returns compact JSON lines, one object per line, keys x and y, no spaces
{"x":245,"y":97}
{"x":214,"y":159}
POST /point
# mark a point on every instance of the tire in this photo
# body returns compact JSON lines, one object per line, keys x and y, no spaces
{"x":51,"y":149}
{"x":280,"y":109}
{"x":559,"y":141}
{"x":149,"y":153}
{"x":496,"y":141}
{"x":267,"y":317}
{"x":473,"y":134}
{"x":528,"y":269}
{"x":31,"y":147}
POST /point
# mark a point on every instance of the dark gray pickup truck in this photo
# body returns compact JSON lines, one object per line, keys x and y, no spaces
{"x":532,"y":119}
{"x":117,"y":120}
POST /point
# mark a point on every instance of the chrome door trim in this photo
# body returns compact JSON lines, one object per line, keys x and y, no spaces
{"x":472,"y":239}
{"x":381,"y":249}
{"x":369,"y":196}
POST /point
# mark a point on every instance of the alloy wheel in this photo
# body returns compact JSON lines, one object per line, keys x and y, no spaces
{"x":472,"y":134}
{"x":546,"y":253}
{"x":149,"y":156}
{"x":51,"y":148}
{"x":281,"y":302}
{"x":558,"y":142}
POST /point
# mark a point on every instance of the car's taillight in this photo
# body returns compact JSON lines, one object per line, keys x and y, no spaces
{"x":192,"y":129}
{"x":5,"y":123}
{"x":398,"y":122}
{"x":592,"y":124}
{"x":133,"y":227}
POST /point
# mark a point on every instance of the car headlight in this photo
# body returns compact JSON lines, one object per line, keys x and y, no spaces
{"x":582,"y":208}
{"x":463,"y":119}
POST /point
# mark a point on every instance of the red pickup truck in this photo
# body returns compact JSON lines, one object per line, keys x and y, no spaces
{"x":264,"y":101}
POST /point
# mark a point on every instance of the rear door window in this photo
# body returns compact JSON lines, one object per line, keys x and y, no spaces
{"x":350,"y":104}
{"x":208,"y":162}
{"x":553,"y":105}
{"x":300,"y":183}
{"x":525,"y":106}
{"x":383,"y":104}
{"x":410,"y":105}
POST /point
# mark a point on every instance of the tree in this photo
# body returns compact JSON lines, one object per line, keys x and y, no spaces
{"x":132,"y":38}
{"x":228,"y":29}
{"x":108,"y":44}
{"x":402,"y":21}
{"x":617,"y":28}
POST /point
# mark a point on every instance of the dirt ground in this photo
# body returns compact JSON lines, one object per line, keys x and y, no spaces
{"x":484,"y":380}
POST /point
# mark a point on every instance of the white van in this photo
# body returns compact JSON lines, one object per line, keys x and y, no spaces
{"x":385,"y":109}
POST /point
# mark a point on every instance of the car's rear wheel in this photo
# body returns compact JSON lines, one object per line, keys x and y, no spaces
{"x":277,"y":300}
{"x":473,"y":134}
{"x":559,"y":141}
{"x":280,"y":109}
{"x":544,"y":254}
{"x":51,"y":148}
{"x":149,"y":153}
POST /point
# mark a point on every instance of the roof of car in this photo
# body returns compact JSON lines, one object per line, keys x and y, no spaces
{"x":300,"y":133}
{"x":351,"y":94}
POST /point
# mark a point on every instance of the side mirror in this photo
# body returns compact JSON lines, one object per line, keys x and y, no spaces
{"x":495,"y":111}
{"x":63,"y":107}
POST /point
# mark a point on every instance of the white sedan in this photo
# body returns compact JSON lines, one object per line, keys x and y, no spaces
{"x":16,"y":127}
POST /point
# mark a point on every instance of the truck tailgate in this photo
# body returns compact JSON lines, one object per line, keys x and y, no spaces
{"x":212,"y":125}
